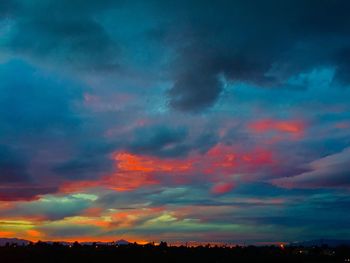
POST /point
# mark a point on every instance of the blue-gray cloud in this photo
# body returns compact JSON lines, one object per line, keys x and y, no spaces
{"x":12,"y":166}
{"x":230,"y":39}
{"x":45,"y":115}
{"x":160,"y":141}
{"x":330,"y":171}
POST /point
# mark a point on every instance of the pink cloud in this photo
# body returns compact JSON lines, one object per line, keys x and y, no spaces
{"x":222,"y":188}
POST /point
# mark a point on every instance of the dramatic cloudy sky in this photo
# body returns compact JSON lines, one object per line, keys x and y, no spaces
{"x":208,"y":121}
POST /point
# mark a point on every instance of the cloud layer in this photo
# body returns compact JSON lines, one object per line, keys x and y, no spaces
{"x":227,"y":121}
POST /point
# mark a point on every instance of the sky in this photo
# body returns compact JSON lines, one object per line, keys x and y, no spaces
{"x":184,"y":121}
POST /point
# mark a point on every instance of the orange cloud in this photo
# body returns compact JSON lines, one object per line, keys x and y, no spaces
{"x":33,"y":234}
{"x":129,"y":181}
{"x":7,"y":234}
{"x":127,"y":162}
{"x":295,"y":127}
{"x":133,"y":171}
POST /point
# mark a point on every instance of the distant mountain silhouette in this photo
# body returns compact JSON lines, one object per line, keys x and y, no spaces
{"x":322,"y":242}
{"x":122,"y":242}
{"x":20,"y":242}
{"x":118,"y":242}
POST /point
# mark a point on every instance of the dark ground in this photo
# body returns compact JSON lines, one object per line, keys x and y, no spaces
{"x":54,"y":253}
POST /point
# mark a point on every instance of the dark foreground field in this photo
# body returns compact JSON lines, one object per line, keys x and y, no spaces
{"x":51,"y":253}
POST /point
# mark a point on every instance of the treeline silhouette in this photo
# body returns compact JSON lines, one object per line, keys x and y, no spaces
{"x":63,"y":253}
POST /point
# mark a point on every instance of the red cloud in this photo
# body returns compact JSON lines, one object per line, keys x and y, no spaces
{"x":222,"y":188}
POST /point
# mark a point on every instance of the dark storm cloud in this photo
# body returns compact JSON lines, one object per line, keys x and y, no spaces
{"x":63,"y":32}
{"x":195,"y":91}
{"x":200,"y":83}
{"x":261,"y":42}
{"x":79,"y":42}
